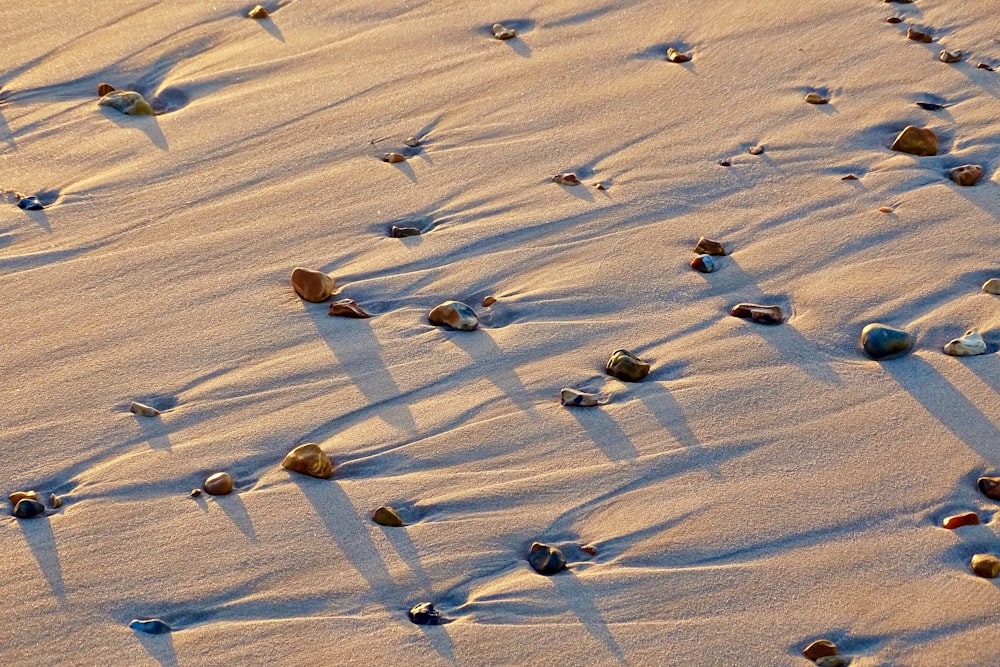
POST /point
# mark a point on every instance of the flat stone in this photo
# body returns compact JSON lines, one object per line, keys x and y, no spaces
{"x":546,"y":559}
{"x":899,"y":2}
{"x":984,"y":66}
{"x":819,"y":649}
{"x":992,"y":286}
{"x":347,"y":308}
{"x":990,"y":487}
{"x":675,"y":56}
{"x":402,"y":232}
{"x":393,"y":158}
{"x":703,"y":263}
{"x":968,"y":345}
{"x":258,"y":12}
{"x":128,"y":102}
{"x":816,"y":98}
{"x":709,"y":247}
{"x":28,"y":508}
{"x":894,"y":19}
{"x":916,"y":141}
{"x":18,"y":496}
{"x":626,"y":366}
{"x":500,"y":31}
{"x":566,"y":178}
{"x":930,"y":106}
{"x":950,"y":56}
{"x":917,"y":36}
{"x":966,"y":175}
{"x":30,"y":203}
{"x":219,"y":484}
{"x":575,"y":398}
{"x":759,"y":313}
{"x":454,"y":315}
{"x":386,"y":516}
{"x":884,"y":342}
{"x":959,"y":520}
{"x":151,"y":626}
{"x":309,"y":459}
{"x":986,"y":565}
{"x":425,"y":614}
{"x":143,"y":410}
{"x":314,"y":286}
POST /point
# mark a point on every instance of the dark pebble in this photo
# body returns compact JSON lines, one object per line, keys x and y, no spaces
{"x":930,"y":106}
{"x":402,"y":232}
{"x":27,"y":508}
{"x":546,"y":559}
{"x":425,"y":614}
{"x":30,"y":204}
{"x":151,"y":626}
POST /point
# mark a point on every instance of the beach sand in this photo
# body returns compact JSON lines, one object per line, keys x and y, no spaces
{"x":762,"y":487}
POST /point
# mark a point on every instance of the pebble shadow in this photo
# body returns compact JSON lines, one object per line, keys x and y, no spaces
{"x":237,"y":512}
{"x":160,"y":647}
{"x":577,"y":598}
{"x":38,"y":534}
{"x":145,"y":124}
{"x":604,"y":430}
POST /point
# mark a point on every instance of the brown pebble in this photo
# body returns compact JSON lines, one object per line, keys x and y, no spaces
{"x":195,"y":493}
{"x":966,"y":175}
{"x":309,"y":459}
{"x":142,"y":409}
{"x":601,"y":186}
{"x":18,"y":496}
{"x":959,"y":520}
{"x":393,"y":158}
{"x":675,"y":56}
{"x":919,"y":141}
{"x":725,"y":163}
{"x":990,"y":487}
{"x":756,"y":150}
{"x":703,"y":264}
{"x":918,"y":36}
{"x":402,"y":232}
{"x":55,"y":501}
{"x":314,"y":286}
{"x":985,"y":67}
{"x":104,"y":88}
{"x":849,"y":177}
{"x":347,"y":308}
{"x":386,"y":516}
{"x":258,"y":12}
{"x":758,"y":313}
{"x":219,"y":484}
{"x":489,"y":301}
{"x":500,"y":31}
{"x":885,"y":209}
{"x":707,"y":246}
{"x":816,"y":98}
{"x":566,"y":178}
{"x":589,"y":549}
{"x":819,"y":649}
{"x":986,"y":565}
{"x":894,"y":19}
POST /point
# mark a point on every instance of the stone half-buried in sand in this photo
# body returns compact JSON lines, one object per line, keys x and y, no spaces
{"x":128,"y":102}
{"x":454,"y":315}
{"x":626,"y":366}
{"x":311,"y":285}
{"x":546,"y":559}
{"x":968,"y":345}
{"x":884,"y":342}
{"x":966,"y":175}
{"x":916,"y":141}
{"x":309,"y":459}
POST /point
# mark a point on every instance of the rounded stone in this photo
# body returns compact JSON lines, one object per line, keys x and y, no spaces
{"x":992,"y":286}
{"x":501,"y":31}
{"x":949,"y":56}
{"x":18,"y":496}
{"x":309,"y":459}
{"x":151,"y":626}
{"x":219,"y":484}
{"x":386,"y":516}
{"x":968,"y":345}
{"x":626,"y":366}
{"x":314,"y":286}
{"x":128,"y":102}
{"x":989,"y":487}
{"x":28,"y":508}
{"x":142,"y":409}
{"x":919,"y":141}
{"x":986,"y":565}
{"x":756,"y":150}
{"x":393,"y":158}
{"x":425,"y":614}
{"x":709,"y":247}
{"x":759,"y":313}
{"x":703,"y":264}
{"x":816,"y":98}
{"x":918,"y":36}
{"x":675,"y":56}
{"x":413,"y":142}
{"x":30,"y":203}
{"x":489,"y":301}
{"x":959,"y":520}
{"x":966,"y":175}
{"x":546,"y":559}
{"x":819,"y":648}
{"x":454,"y":315}
{"x":884,"y":342}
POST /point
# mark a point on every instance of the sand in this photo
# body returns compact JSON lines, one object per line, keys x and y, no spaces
{"x":763,"y":487}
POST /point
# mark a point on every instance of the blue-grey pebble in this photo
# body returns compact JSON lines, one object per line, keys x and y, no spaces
{"x":27,"y":508}
{"x":30,"y":203}
{"x":881,"y":341}
{"x":151,"y":626}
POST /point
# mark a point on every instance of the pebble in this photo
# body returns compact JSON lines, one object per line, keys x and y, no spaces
{"x":546,"y":559}
{"x":756,"y":150}
{"x":626,"y":366}
{"x":959,"y":520}
{"x":966,"y":175}
{"x":725,"y":163}
{"x":985,"y":67}
{"x":885,"y":209}
{"x":894,"y":19}
{"x":601,"y":186}
{"x":309,"y":459}
{"x":709,"y":247}
{"x":916,"y":141}
{"x":986,"y":565}
{"x":393,"y":158}
{"x":347,"y":308}
{"x":55,"y":501}
{"x":816,"y":98}
{"x":918,"y":36}
{"x":566,"y":178}
{"x":758,"y":313}
{"x":849,"y":177}
{"x":104,"y":88}
{"x":413,"y":142}
{"x":489,"y":301}
{"x":990,"y":487}
{"x":930,"y":106}
{"x":258,"y":12}
{"x":195,"y":493}
{"x":18,"y":496}
{"x":142,"y":409}
{"x":219,"y":484}
{"x":968,"y":345}
{"x":883,"y":342}
{"x":314,"y":286}
{"x":28,"y":508}
{"x":151,"y":626}
{"x":128,"y":102}
{"x":402,"y":232}
{"x":425,"y":614}
{"x":455,"y":315}
{"x":901,"y":2}
{"x":949,"y":56}
{"x":30,"y":203}
{"x":589,"y":549}
{"x":819,"y":648}
{"x":832,"y":661}
{"x":675,"y":56}
{"x":500,"y":31}
{"x":992,"y":286}
{"x":703,"y":263}
{"x":575,"y":398}
{"x":386,"y":516}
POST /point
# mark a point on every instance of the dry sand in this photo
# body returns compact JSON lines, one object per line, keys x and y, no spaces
{"x":763,"y":487}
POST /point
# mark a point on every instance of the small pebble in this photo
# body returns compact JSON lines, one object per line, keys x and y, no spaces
{"x":816,"y":98}
{"x":601,"y":186}
{"x":142,"y":409}
{"x":589,"y":549}
{"x":725,"y":163}
{"x":566,"y":178}
{"x":986,"y":565}
{"x":990,"y":487}
{"x":455,"y":315}
{"x":985,"y":67}
{"x":402,"y":232}
{"x":885,"y":209}
{"x":820,"y":648}
{"x":959,"y":520}
{"x":393,"y":158}
{"x":425,"y":614}
{"x":195,"y":493}
{"x":894,"y":19}
{"x":930,"y":106}
{"x":386,"y":516}
{"x":916,"y":141}
{"x":30,"y":203}
{"x":626,"y":366}
{"x":18,"y":496}
{"x":219,"y":484}
{"x":968,"y":345}
{"x":489,"y":301}
{"x":949,"y":56}
{"x":575,"y":398}
{"x":709,"y":247}
{"x":884,"y":342}
{"x":104,"y":88}
{"x":314,"y":286}
{"x":151,"y":626}
{"x":28,"y":508}
{"x":703,"y":263}
{"x":258,"y":12}
{"x":901,"y":2}
{"x":992,"y":286}
{"x":347,"y":308}
{"x":849,"y":177}
{"x":918,"y":36}
{"x":832,"y":661}
{"x":412,"y":142}
{"x":546,"y":559}
{"x":758,"y":313}
{"x":675,"y":56}
{"x":55,"y":501}
{"x":501,"y":31}
{"x":128,"y":102}
{"x":966,"y":175}
{"x":309,"y":459}
{"x":756,"y":150}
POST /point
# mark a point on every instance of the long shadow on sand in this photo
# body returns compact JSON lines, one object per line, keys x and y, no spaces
{"x":495,"y":367}
{"x":160,"y":647}
{"x":42,"y":542}
{"x":145,"y":124}
{"x":606,"y":433}
{"x":578,"y":599}
{"x":234,"y":508}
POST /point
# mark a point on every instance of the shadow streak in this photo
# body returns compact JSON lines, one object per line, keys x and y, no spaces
{"x":160,"y":647}
{"x":579,"y":599}
{"x":488,"y":357}
{"x":155,"y":432}
{"x":236,"y":510}
{"x":42,"y":542}
{"x":145,"y":124}
{"x":599,"y":424}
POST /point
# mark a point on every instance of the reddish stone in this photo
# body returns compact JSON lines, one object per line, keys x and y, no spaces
{"x":959,"y":520}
